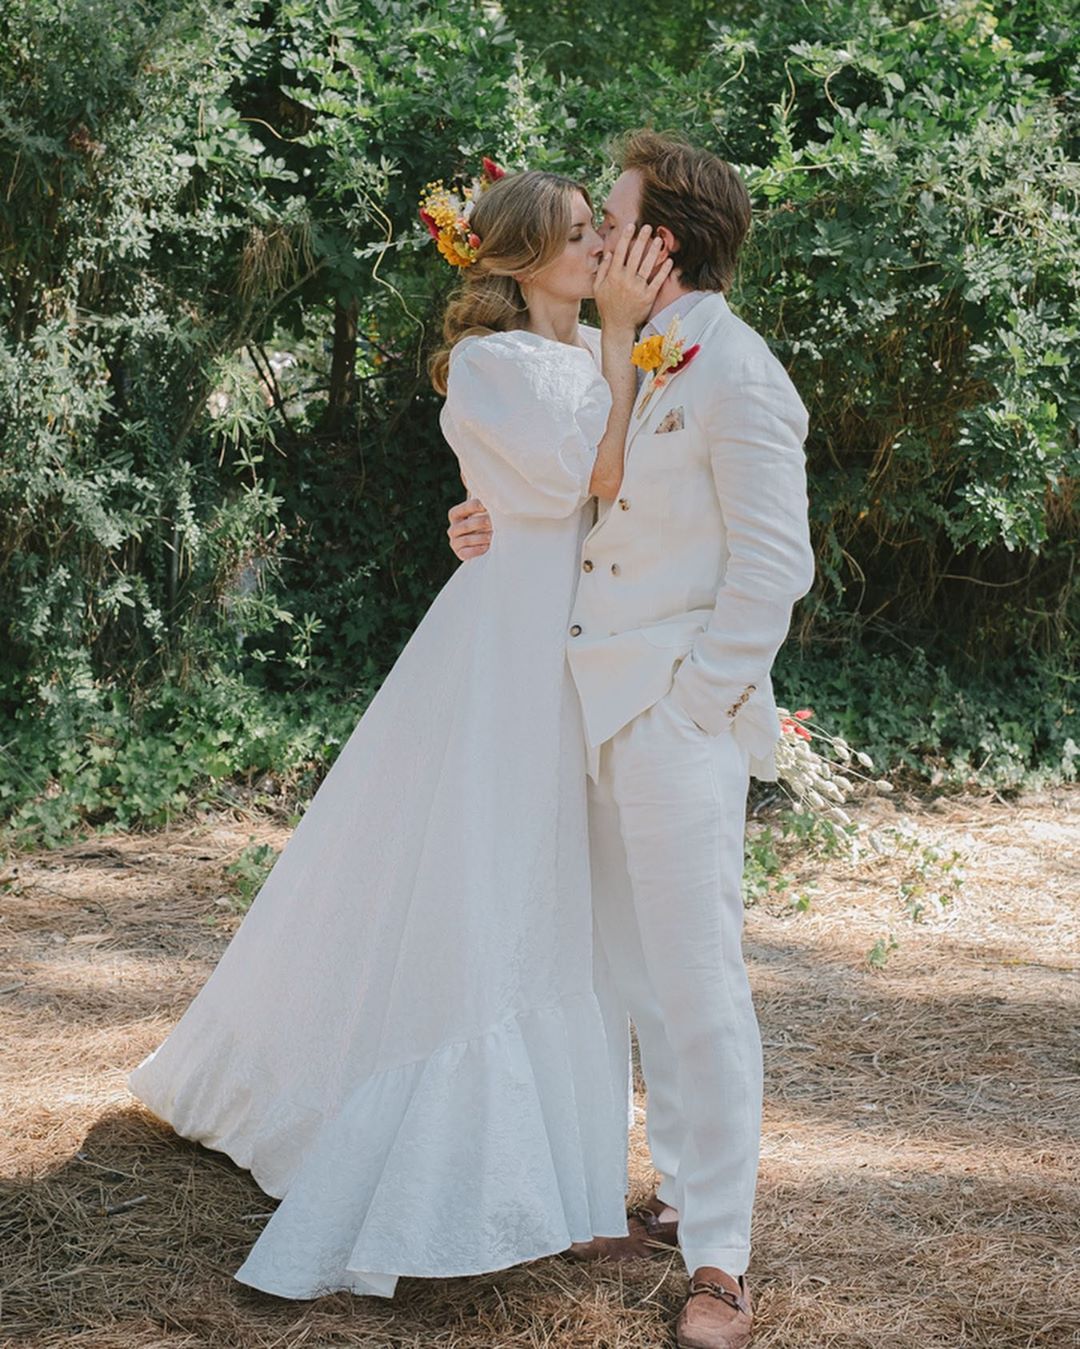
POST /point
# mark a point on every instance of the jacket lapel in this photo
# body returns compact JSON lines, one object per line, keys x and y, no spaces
{"x":696,"y":327}
{"x":693,"y":328}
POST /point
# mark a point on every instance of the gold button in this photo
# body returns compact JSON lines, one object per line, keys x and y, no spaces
{"x":624,"y":505}
{"x":615,"y":569}
{"x":575,"y":631}
{"x":586,"y":565}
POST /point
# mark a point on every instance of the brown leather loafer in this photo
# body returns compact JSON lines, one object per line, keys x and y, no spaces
{"x":718,"y":1314}
{"x":648,"y":1214}
{"x":636,"y":1245}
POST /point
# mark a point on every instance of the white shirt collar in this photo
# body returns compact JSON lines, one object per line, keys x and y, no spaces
{"x":678,"y":308}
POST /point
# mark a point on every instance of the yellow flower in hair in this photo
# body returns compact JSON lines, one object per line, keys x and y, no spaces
{"x":445,"y":214}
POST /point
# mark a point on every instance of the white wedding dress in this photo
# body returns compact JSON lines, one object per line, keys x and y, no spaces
{"x":402,"y":1040}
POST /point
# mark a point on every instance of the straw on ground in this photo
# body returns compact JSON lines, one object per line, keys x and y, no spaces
{"x":919,"y":1185}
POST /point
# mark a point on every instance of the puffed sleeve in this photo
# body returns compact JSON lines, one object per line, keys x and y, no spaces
{"x":524,"y":416}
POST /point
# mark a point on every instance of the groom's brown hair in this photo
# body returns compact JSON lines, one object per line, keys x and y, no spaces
{"x":698,"y":196}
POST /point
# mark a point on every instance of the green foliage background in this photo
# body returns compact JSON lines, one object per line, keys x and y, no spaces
{"x":222,"y":488}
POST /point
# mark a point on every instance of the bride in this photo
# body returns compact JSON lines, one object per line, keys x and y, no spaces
{"x":403,"y":1041}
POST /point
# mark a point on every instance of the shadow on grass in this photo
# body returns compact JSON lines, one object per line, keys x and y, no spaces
{"x":133,"y":1243}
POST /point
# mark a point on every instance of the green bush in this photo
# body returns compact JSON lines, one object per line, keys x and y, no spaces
{"x":222,"y":482}
{"x":1016,"y":727}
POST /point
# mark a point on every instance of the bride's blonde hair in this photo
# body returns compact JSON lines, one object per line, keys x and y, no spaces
{"x":522,"y":222}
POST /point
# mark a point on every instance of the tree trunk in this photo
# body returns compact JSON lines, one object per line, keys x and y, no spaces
{"x":342,"y":397}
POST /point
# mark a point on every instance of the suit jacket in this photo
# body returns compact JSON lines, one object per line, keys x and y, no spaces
{"x":688,"y":580}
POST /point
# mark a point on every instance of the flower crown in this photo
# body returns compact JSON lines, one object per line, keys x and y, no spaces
{"x":446,"y":213}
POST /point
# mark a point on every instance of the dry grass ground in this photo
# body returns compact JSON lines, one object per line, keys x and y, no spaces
{"x":919,"y":1185}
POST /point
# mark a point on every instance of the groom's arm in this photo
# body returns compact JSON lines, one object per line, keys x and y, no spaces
{"x":470,"y":529}
{"x":757,"y":428}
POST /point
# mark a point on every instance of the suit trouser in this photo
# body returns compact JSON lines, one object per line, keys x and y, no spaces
{"x":666,"y":824}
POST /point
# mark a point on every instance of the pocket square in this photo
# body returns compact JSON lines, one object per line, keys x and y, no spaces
{"x":672,"y":420}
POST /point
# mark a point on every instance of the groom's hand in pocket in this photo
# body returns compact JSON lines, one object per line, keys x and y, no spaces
{"x":470,"y":529}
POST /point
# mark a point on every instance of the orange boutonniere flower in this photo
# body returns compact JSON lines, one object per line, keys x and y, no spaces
{"x":646,"y":355}
{"x":664,"y":357}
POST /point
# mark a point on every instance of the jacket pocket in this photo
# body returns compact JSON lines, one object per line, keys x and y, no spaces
{"x":678,"y":633}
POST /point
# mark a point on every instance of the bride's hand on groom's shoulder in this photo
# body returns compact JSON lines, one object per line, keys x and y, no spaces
{"x":470,"y":529}
{"x":629,"y":278}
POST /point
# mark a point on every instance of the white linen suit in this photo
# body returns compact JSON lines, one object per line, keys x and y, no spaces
{"x":685,"y":595}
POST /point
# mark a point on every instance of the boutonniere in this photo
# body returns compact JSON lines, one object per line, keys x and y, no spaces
{"x":662,"y":357}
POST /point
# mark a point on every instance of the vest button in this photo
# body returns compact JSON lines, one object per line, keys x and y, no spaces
{"x":575,"y":631}
{"x":615,"y":569}
{"x":586,"y":565}
{"x":624,"y":505}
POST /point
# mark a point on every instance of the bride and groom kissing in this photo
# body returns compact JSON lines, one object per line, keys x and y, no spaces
{"x":419,"y":1037}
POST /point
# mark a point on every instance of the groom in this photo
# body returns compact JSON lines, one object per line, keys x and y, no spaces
{"x":685,"y":594}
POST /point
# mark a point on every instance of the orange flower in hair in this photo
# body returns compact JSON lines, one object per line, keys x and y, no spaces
{"x":446,"y":213}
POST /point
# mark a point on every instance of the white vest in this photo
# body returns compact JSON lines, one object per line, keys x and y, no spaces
{"x":688,"y":580}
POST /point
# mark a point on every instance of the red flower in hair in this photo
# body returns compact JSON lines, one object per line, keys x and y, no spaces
{"x":432,"y":228}
{"x":492,"y":171}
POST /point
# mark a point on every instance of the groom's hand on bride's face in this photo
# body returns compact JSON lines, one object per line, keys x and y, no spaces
{"x":470,"y":529}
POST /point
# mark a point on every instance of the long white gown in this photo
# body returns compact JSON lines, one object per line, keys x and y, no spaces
{"x":402,"y":1040}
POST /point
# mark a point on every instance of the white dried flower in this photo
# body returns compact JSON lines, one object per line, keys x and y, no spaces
{"x":811,"y":778}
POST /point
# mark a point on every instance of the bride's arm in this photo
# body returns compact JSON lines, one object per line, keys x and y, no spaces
{"x":627,"y":283}
{"x":616,"y":343}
